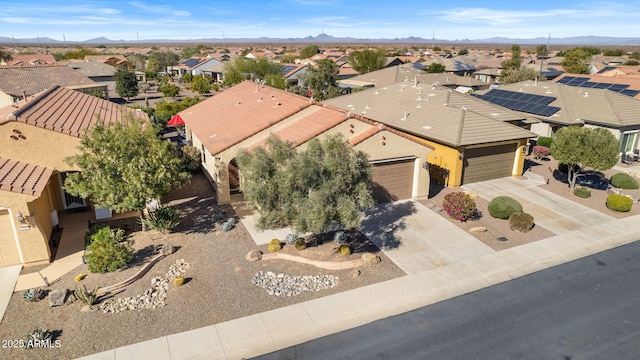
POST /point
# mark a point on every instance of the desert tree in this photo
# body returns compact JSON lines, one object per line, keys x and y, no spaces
{"x":580,"y":148}
{"x":124,"y":165}
{"x":368,"y":60}
{"x":126,"y":83}
{"x":307,"y":190}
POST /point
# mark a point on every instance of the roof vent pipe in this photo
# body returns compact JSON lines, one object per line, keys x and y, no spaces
{"x":463,"y":111}
{"x":446,"y":100}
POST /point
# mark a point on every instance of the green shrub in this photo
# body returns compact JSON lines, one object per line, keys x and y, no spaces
{"x":344,"y":250}
{"x":459,"y":206}
{"x":502,"y":207}
{"x":619,"y":202}
{"x":520,"y":221}
{"x":163,"y":218}
{"x":36,"y":337}
{"x":191,"y":158}
{"x":92,"y":230}
{"x":582,"y":192}
{"x":300,"y":244}
{"x":624,"y":181}
{"x":544,"y":141}
{"x":274,"y":245}
{"x":108,"y":251}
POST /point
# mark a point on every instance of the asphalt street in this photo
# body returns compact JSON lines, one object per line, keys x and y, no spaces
{"x":585,"y":309}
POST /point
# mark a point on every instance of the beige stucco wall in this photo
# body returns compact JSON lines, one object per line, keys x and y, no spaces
{"x":41,"y":147}
{"x":5,"y":100}
{"x":34,"y":242}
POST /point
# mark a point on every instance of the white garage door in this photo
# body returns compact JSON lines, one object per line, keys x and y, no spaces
{"x":8,"y":251}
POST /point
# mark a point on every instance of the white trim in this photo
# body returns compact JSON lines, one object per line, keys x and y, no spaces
{"x":417,"y":165}
{"x":384,"y":161}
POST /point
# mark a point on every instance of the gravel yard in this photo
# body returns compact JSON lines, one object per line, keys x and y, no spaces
{"x":218,"y":285}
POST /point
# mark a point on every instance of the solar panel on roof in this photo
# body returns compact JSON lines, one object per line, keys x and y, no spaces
{"x":618,"y":87}
{"x":606,"y":68}
{"x":529,"y":103}
{"x":631,"y":93}
{"x":601,"y":86}
{"x":286,"y":69}
{"x":191,"y":62}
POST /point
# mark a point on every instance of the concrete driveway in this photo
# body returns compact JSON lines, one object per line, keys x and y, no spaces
{"x":553,"y":212}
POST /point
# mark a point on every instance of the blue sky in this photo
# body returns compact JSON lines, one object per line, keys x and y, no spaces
{"x":194,"y":19}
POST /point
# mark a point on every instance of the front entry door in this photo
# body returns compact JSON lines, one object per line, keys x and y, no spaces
{"x":70,"y":201}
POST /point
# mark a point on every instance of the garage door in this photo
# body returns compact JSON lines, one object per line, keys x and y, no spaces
{"x":8,"y":250}
{"x":392,"y":180}
{"x":488,"y":163}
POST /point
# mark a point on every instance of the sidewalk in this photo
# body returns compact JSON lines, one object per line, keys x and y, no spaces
{"x":441,"y":261}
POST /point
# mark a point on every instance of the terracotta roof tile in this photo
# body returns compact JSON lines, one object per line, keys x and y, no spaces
{"x":23,"y":178}
{"x":240,"y":112}
{"x":70,"y":112}
{"x":34,"y":79}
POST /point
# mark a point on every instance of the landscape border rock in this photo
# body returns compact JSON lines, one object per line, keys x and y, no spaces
{"x":327,"y":265}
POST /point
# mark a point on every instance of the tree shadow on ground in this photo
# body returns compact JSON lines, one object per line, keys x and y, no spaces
{"x":592,"y":179}
{"x":384,"y":221}
{"x":199,"y":215}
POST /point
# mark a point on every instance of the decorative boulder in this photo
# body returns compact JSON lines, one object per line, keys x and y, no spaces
{"x":370,"y":259}
{"x":478,"y":229}
{"x":254,"y":255}
{"x":57,"y":297}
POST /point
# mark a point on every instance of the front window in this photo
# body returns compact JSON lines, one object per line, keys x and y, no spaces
{"x":629,"y":142}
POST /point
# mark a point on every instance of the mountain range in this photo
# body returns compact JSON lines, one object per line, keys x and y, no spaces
{"x":324,"y":38}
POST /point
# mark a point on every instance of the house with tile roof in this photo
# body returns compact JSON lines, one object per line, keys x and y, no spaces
{"x":118,"y":61}
{"x":193,"y":66}
{"x":473,"y":140}
{"x":35,"y":137}
{"x":556,"y":105}
{"x":29,"y":60}
{"x":100,"y":73}
{"x":245,"y":115}
{"x":20,"y":82}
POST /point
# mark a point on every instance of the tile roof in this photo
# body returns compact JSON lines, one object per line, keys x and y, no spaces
{"x":577,"y":105}
{"x":93,"y":69}
{"x":30,"y":59}
{"x":34,"y":79}
{"x":70,"y":112}
{"x":440,"y":115}
{"x":239,"y":112}
{"x":23,"y":178}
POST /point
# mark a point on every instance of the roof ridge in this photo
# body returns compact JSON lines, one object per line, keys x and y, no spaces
{"x":33,"y":101}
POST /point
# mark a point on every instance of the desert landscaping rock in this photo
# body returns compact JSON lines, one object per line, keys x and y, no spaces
{"x":288,"y":285}
{"x":57,"y":297}
{"x":478,"y":229}
{"x":254,"y":255}
{"x":370,"y":259}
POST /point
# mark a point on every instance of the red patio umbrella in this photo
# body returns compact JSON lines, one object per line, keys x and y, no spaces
{"x":175,"y":121}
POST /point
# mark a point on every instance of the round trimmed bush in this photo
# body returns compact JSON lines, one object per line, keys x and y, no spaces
{"x":520,"y":221}
{"x":502,"y":207}
{"x":544,"y":141}
{"x":300,"y":244}
{"x":624,"y":181}
{"x":274,"y":245}
{"x":619,"y":202}
{"x":582,"y":192}
{"x":344,"y":250}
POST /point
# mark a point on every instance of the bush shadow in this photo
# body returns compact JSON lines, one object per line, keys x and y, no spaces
{"x":383,"y":222}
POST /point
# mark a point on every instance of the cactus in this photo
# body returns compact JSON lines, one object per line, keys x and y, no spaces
{"x":274,"y":245}
{"x":32,"y":295}
{"x":300,"y":244}
{"x":291,"y":239}
{"x":37,"y":336}
{"x":340,"y":237}
{"x":86,"y":296}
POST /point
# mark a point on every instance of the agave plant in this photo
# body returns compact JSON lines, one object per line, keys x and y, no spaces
{"x":163,"y":219}
{"x":32,"y":295}
{"x":340,"y":237}
{"x":37,"y":336}
{"x":291,"y":239}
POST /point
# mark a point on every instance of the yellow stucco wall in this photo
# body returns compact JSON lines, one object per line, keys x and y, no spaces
{"x":448,"y":158}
